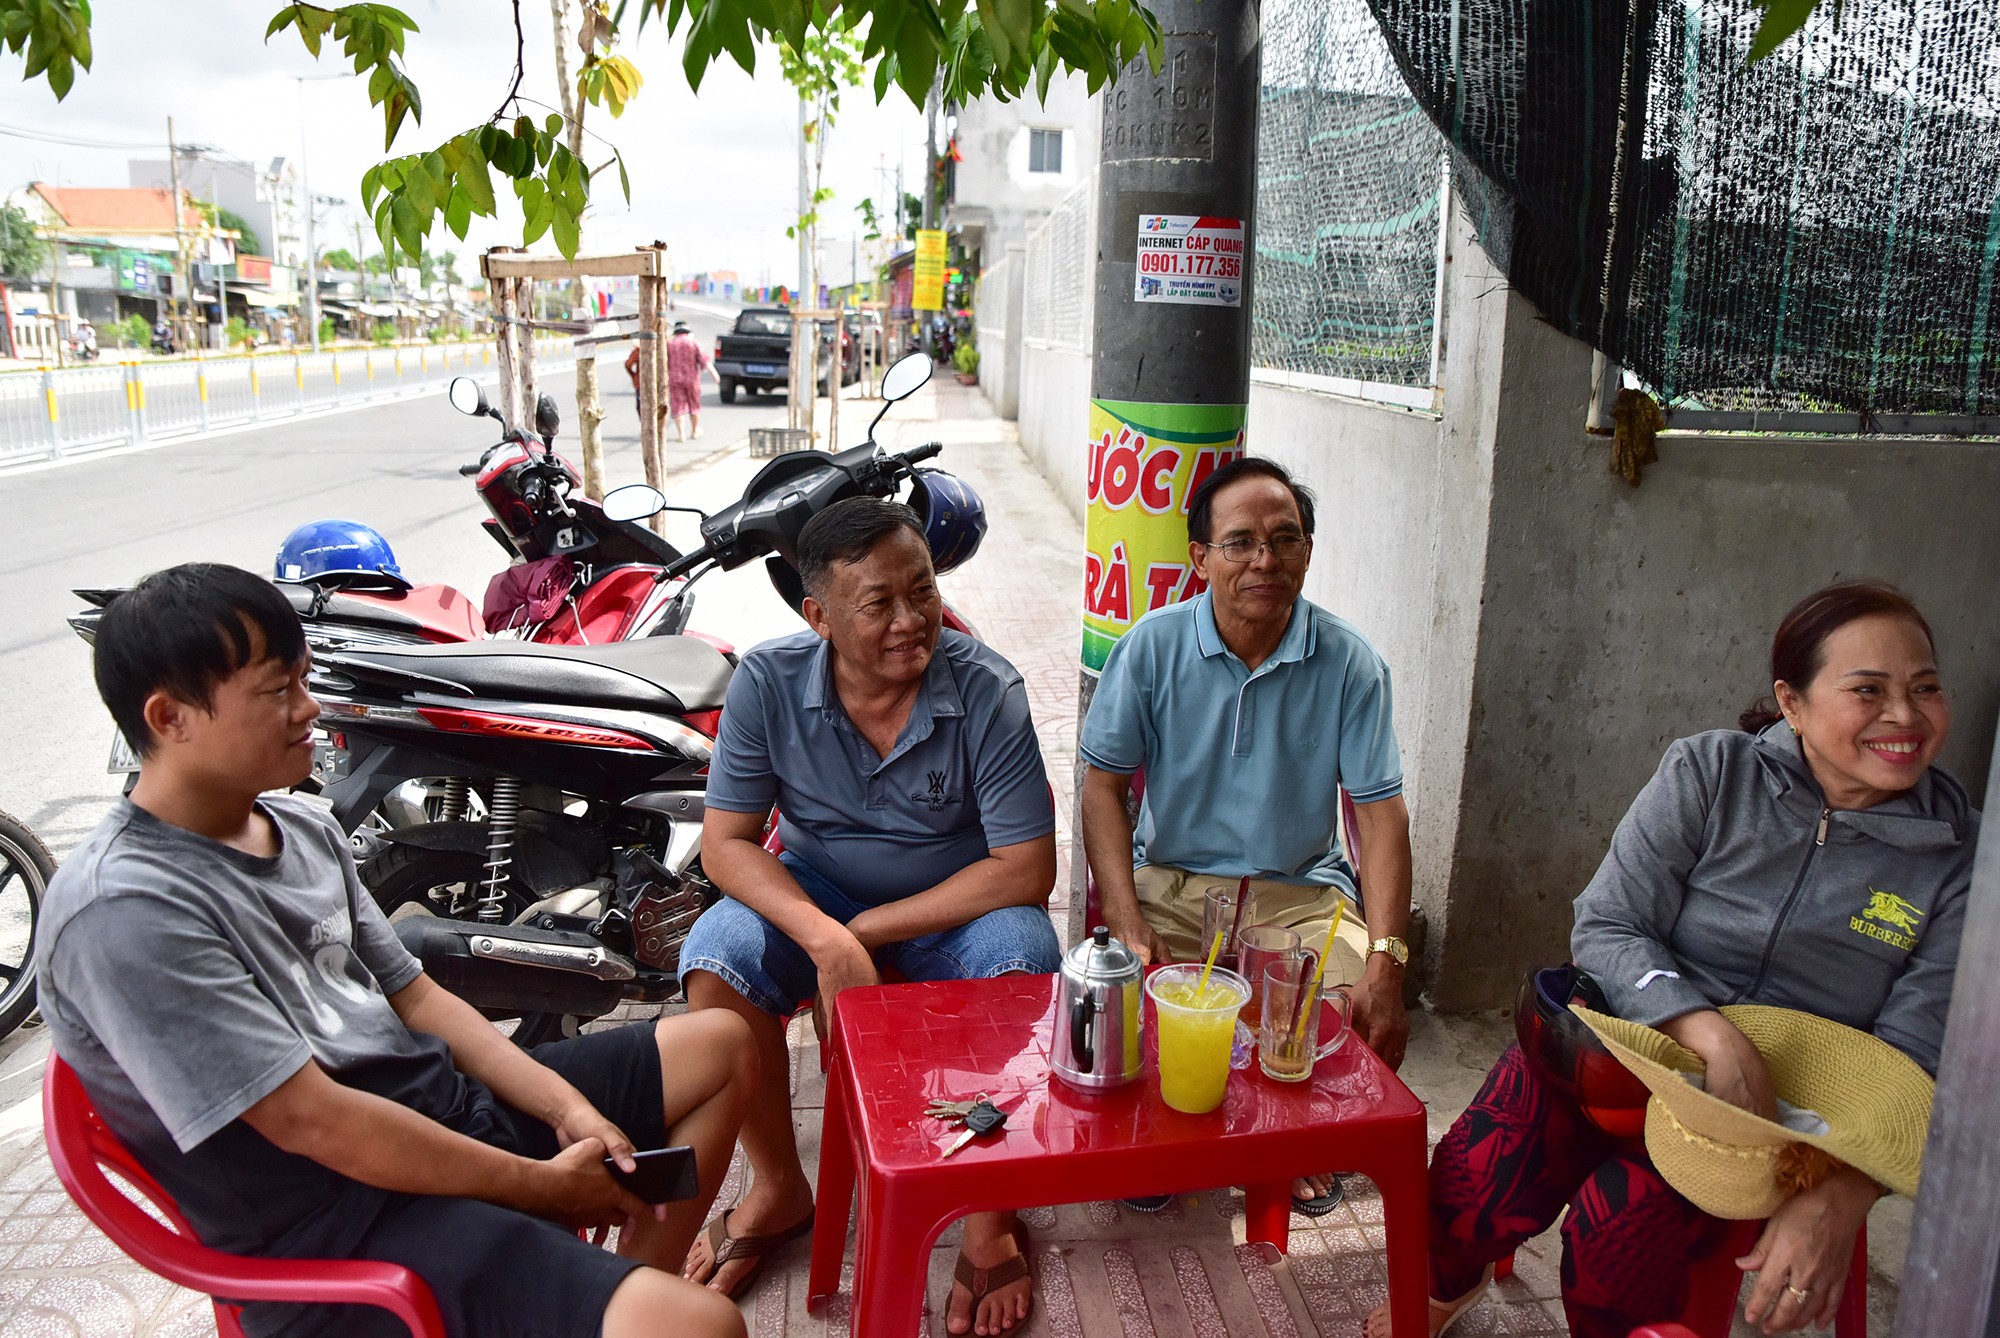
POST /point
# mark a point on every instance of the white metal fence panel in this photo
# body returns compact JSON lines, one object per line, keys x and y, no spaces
{"x":1060,"y":278}
{"x":92,"y":408}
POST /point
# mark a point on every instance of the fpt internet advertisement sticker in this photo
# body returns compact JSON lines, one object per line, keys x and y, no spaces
{"x":1193,"y":259}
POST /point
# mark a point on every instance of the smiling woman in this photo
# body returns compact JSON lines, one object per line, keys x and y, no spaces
{"x":1817,"y":861}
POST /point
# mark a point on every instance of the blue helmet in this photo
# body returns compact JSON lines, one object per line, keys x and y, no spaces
{"x":339,"y":552}
{"x":954,"y":518}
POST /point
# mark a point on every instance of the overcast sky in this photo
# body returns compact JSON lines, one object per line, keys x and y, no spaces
{"x":715,"y":176}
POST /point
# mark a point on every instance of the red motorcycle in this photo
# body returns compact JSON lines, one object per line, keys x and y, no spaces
{"x":577,"y":577}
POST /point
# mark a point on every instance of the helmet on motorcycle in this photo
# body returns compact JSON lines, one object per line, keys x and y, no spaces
{"x":953,"y":516}
{"x":1567,"y":1055}
{"x":339,"y":552}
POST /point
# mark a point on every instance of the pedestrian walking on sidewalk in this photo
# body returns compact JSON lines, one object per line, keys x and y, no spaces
{"x":686,"y":361}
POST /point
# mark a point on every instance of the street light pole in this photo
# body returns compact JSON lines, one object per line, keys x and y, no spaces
{"x":305,"y":180}
{"x":312,"y":253}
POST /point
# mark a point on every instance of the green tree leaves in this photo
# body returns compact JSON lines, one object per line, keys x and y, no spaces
{"x":372,"y":37}
{"x":998,"y":47}
{"x":54,"y":35}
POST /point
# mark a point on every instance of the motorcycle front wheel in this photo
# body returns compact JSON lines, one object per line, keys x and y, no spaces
{"x":25,"y":869}
{"x":410,"y":880}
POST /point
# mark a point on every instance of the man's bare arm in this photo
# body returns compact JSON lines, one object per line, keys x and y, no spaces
{"x":1018,"y":875}
{"x":381,"y":1143}
{"x":481,"y":1052}
{"x":732,"y":852}
{"x":1382,"y":829}
{"x":1107,"y":844}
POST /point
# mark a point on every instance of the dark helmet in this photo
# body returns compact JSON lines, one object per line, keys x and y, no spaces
{"x":1567,"y":1055}
{"x":339,"y":552}
{"x":954,"y":518}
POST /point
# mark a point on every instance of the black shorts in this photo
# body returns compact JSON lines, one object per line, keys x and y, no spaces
{"x":497,"y":1273}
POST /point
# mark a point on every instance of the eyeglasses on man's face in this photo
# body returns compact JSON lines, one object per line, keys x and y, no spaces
{"x":1284,"y":547}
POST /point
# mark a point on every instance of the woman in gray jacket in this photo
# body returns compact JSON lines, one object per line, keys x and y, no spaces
{"x":1817,"y":860}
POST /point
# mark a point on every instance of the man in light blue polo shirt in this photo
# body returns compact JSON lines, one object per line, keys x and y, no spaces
{"x":918,"y":834}
{"x":1248,"y":709}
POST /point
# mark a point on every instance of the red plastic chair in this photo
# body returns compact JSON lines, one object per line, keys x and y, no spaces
{"x":82,"y":1148}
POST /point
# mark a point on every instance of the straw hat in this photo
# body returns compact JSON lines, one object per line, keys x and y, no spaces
{"x":1857,"y":1098}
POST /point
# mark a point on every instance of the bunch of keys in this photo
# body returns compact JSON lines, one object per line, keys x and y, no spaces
{"x":979,"y":1116}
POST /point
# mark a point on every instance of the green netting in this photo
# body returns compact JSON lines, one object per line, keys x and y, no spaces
{"x":1349,"y":177}
{"x":1817,"y":231}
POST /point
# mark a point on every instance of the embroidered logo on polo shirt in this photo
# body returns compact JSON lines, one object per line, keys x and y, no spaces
{"x":935,"y":797}
{"x":1888,"y":919}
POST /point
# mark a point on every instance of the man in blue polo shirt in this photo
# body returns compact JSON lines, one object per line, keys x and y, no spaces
{"x":1249,"y":708}
{"x":918,"y":835}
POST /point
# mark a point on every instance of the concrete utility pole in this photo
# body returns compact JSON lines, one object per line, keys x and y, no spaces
{"x":1170,"y":372}
{"x":184,"y":280}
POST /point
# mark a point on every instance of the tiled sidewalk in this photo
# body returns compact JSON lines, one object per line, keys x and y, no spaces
{"x":1101,"y":1270}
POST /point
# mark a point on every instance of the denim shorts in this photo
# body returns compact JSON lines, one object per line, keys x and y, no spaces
{"x":756,"y":960}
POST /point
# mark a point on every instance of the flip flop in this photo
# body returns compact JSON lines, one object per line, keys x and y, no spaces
{"x":723,"y":1247}
{"x":1453,"y":1311}
{"x":1322,"y":1204}
{"x":979,"y":1282}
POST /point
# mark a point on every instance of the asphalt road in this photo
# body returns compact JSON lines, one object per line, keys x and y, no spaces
{"x":107,"y":521}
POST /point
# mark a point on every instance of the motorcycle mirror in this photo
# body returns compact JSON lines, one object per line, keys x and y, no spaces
{"x":634,"y":501}
{"x":467,"y":397}
{"x":906,"y":378}
{"x":547,"y":417}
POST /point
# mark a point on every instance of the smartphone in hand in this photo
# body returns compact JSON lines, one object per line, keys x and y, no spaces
{"x":664,"y":1175}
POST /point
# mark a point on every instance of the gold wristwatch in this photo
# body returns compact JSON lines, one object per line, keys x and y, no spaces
{"x":1399,"y":951}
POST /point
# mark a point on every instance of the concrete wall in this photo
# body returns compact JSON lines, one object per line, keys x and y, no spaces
{"x":1054,"y":411}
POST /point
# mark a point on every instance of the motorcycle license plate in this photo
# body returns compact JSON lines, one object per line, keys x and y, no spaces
{"x":761,"y":368}
{"x":124,"y":757}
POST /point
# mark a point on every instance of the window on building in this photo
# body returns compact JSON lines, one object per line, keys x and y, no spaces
{"x":1045,"y":150}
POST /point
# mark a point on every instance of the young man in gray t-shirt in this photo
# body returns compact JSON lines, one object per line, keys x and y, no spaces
{"x":249,"y":1025}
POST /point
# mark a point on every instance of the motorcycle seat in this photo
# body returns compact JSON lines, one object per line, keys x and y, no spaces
{"x":674,"y":674}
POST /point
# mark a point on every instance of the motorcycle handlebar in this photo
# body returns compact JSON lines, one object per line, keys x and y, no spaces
{"x":899,"y":462}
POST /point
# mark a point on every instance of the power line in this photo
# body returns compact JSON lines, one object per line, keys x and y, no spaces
{"x":43,"y":136}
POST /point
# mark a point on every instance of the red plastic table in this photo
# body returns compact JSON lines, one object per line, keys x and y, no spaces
{"x":894,"y":1048}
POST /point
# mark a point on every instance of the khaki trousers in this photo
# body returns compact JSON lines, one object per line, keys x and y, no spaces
{"x":1171,"y":900}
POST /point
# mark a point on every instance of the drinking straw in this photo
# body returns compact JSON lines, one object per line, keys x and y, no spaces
{"x":1299,"y":1005}
{"x":1201,"y":989}
{"x":1242,"y":897}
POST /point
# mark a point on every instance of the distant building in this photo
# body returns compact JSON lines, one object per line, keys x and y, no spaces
{"x":113,"y":253}
{"x":267,"y":197}
{"x":1016,"y":162}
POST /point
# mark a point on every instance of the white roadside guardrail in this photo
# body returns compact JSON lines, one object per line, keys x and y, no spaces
{"x":51,"y":413}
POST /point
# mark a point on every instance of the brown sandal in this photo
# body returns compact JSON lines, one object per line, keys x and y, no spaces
{"x":979,"y":1282}
{"x":723,"y":1247}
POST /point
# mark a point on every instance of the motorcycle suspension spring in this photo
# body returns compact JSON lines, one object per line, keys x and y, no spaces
{"x":451,"y":806}
{"x":502,"y":816}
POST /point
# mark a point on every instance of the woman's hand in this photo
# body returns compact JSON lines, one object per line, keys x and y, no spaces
{"x":1736,"y":1071}
{"x":1801,"y":1260}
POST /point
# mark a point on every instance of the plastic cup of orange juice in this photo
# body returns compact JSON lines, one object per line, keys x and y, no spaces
{"x":1196,"y":1026}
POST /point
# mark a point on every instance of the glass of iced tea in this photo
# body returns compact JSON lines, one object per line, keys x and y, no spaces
{"x":1302,"y":1024}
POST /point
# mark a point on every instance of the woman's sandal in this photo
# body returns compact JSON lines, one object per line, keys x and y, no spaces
{"x":1452,"y":1311}
{"x":980,"y":1282}
{"x":723,"y":1247}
